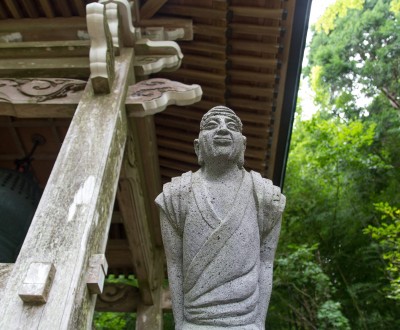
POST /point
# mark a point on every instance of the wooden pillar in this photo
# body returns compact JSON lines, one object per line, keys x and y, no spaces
{"x":72,"y":220}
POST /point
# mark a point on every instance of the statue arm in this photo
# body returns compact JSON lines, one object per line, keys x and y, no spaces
{"x":173,"y":251}
{"x":269,"y":243}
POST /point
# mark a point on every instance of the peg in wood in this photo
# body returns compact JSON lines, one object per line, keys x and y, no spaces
{"x":37,"y":283}
{"x":97,"y":273}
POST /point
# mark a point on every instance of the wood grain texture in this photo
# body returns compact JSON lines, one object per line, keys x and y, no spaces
{"x":73,"y":217}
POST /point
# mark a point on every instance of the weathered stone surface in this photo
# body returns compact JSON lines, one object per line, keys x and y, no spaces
{"x":220,"y":229}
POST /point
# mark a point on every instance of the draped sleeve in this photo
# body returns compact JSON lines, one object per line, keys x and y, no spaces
{"x":174,"y":200}
{"x":270,"y":203}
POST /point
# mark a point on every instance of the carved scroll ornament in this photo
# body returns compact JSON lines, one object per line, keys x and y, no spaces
{"x":154,"y":95}
{"x":34,"y":90}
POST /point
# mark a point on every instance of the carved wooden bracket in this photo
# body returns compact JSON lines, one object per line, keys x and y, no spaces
{"x":113,"y":25}
{"x":159,"y":33}
{"x":146,"y":65}
{"x":101,"y":49}
{"x":34,"y":90}
{"x":151,"y":96}
{"x":128,"y":30}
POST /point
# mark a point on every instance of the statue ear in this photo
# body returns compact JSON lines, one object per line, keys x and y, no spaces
{"x":196,"y":146}
{"x":241,"y":156}
{"x":198,"y":152}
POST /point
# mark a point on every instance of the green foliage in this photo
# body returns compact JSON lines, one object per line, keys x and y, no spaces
{"x":387,"y":233}
{"x":338,"y":9}
{"x":341,"y":162}
{"x":360,"y":57}
{"x":124,"y":321}
{"x":305,"y":290}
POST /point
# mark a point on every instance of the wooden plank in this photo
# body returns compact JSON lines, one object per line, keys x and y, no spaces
{"x":204,"y":47}
{"x":245,"y":103}
{"x":79,"y":7}
{"x":205,"y":62}
{"x":248,"y":76}
{"x":150,"y":7}
{"x":3,"y":14}
{"x":49,"y":49}
{"x":78,"y":201}
{"x":253,"y":61}
{"x":191,"y":11}
{"x":132,"y":204}
{"x":198,"y":76}
{"x":42,"y":29}
{"x":210,"y":30}
{"x":63,"y":8}
{"x":266,"y":92}
{"x":30,"y":9}
{"x":65,"y":67}
{"x":260,"y":30}
{"x":47,"y":8}
{"x":118,"y":254}
{"x":257,"y":12}
{"x":150,"y":316}
{"x":13,"y":8}
{"x":252,"y":46}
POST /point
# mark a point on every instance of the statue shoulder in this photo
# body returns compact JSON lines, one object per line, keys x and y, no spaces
{"x":270,"y":202}
{"x":267,"y":192}
{"x":174,"y":199}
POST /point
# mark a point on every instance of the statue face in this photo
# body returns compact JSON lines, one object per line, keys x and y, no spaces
{"x":220,"y":140}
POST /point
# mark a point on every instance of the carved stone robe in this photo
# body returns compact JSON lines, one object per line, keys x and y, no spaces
{"x":221,"y":256}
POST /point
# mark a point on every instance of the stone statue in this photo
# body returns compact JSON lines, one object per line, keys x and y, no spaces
{"x":220,"y":228}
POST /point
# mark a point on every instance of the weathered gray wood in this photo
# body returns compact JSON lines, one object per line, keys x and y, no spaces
{"x":42,"y":29}
{"x":149,"y":155}
{"x":150,"y":316}
{"x":48,"y":49}
{"x":123,"y":298}
{"x":72,"y":220}
{"x":119,"y":298}
{"x":66,"y":67}
{"x":136,"y":216}
{"x":5,"y":271}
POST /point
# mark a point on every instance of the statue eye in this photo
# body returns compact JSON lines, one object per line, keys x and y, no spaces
{"x":211,"y":125}
{"x":233,"y":127}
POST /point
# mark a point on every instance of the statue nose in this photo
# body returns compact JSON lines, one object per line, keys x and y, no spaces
{"x":223,"y":128}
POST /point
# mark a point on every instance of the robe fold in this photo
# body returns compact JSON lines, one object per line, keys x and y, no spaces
{"x":221,"y":256}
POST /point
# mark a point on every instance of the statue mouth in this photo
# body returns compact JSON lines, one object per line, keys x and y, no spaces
{"x":222,"y":140}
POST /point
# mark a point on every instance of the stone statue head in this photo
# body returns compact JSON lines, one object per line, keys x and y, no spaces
{"x":220,"y":138}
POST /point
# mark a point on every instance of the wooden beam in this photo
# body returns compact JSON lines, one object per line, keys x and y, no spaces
{"x":65,"y":67}
{"x":150,"y":7}
{"x":42,"y":29}
{"x":49,"y":49}
{"x":72,"y":220}
{"x":152,"y":177}
{"x":132,"y":204}
{"x":150,"y":316}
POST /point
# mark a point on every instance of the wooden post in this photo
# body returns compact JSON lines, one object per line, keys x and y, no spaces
{"x":72,"y":220}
